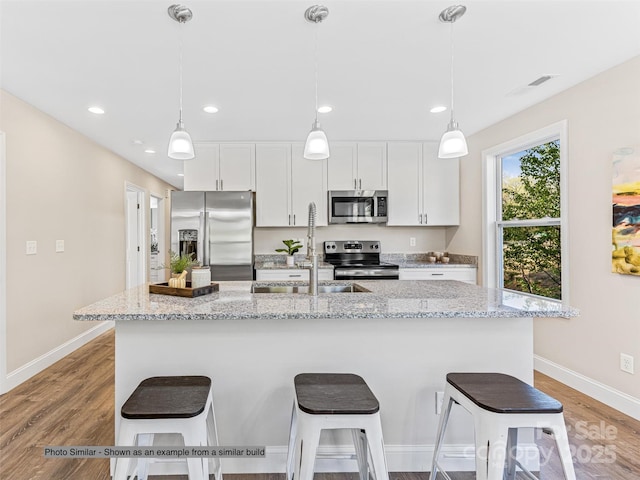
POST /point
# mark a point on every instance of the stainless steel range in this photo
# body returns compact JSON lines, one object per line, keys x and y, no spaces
{"x":358,"y":260}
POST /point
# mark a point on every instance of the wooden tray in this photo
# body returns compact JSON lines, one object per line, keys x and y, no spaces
{"x":165,"y":289}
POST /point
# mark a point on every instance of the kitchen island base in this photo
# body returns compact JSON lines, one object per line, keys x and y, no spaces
{"x":252,"y":363}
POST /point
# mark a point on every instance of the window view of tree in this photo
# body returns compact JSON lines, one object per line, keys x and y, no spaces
{"x":530,"y":225}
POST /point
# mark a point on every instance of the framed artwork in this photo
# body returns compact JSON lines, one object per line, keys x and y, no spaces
{"x":626,"y":211}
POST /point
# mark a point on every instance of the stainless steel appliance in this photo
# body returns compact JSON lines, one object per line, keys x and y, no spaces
{"x":218,"y":228}
{"x":358,"y":260}
{"x":358,"y":206}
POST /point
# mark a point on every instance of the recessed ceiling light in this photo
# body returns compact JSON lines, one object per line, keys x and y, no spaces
{"x":210,"y":109}
{"x":96,"y":110}
{"x":325,"y":109}
{"x":438,"y":109}
{"x":149,"y":150}
{"x":181,"y":174}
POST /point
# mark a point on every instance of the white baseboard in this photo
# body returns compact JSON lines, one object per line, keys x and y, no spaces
{"x":25,"y":372}
{"x":609,"y":396}
{"x":400,"y":458}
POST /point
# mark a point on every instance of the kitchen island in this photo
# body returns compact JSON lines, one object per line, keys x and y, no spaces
{"x":402,"y":337}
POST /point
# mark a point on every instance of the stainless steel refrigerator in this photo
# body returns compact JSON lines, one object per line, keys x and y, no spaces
{"x":217,"y":227}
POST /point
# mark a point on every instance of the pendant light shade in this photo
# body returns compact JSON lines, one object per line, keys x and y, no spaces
{"x":180,"y":144}
{"x":317,"y":146}
{"x":452,"y":144}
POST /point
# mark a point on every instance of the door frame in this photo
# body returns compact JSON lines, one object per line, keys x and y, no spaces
{"x":139,"y":233}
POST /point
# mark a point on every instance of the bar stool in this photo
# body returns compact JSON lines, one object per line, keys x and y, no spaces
{"x":500,"y":404}
{"x":177,"y":404}
{"x":334,"y":401}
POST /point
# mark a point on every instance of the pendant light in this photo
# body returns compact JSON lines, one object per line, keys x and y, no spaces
{"x":452,"y":143}
{"x":180,"y":144}
{"x":317,"y":145}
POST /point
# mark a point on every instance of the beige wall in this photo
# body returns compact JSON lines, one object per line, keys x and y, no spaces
{"x":60,"y":186}
{"x":603,"y":114}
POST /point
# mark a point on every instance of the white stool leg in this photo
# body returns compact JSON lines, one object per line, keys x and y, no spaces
{"x":308,"y":440}
{"x":196,"y":435}
{"x":447,"y":402}
{"x":142,"y":468}
{"x":126,"y":437}
{"x":376,"y":447}
{"x":512,"y":454}
{"x":496,"y":454}
{"x":562,"y":442}
{"x":292,"y":443}
{"x":212,"y":435}
{"x":362,"y":455}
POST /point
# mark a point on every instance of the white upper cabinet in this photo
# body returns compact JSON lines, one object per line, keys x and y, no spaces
{"x":355,"y":166}
{"x":423,"y":189}
{"x":308,"y":184}
{"x":220,"y":167}
{"x":285,"y":185}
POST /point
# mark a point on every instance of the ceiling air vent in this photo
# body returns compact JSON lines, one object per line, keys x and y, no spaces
{"x":541,"y":80}
{"x":531,"y":86}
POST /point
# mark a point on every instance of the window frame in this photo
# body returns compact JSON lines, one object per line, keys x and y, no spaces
{"x":492,"y":224}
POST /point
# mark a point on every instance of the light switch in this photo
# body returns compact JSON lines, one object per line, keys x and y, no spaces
{"x":32,"y":247}
{"x":59,"y":246}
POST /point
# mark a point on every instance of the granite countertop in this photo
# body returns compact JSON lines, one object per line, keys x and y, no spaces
{"x":384,"y":299}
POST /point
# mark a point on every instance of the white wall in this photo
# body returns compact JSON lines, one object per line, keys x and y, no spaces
{"x":59,"y":186}
{"x":603,"y":114}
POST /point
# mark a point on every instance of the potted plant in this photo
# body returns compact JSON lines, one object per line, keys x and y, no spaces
{"x":179,"y":264}
{"x":292,"y":247}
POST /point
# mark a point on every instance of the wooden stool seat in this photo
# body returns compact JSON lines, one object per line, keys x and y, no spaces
{"x":500,"y":405}
{"x":332,"y":401}
{"x":334,"y":394}
{"x":168,"y":397}
{"x":502,"y":393}
{"x":180,"y":405}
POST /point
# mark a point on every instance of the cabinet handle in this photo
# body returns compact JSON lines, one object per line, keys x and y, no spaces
{"x":221,"y":184}
{"x":437,"y":274}
{"x":294,"y":218}
{"x":360,"y":184}
{"x":289,"y":219}
{"x":355,"y":183}
{"x":217,"y":185}
{"x":294,"y":275}
{"x":425,"y":219}
{"x":420,"y":219}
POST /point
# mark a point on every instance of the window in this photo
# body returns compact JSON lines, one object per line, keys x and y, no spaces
{"x":525,"y":219}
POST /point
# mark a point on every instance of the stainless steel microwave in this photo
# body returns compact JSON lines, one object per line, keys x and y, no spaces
{"x":358,"y":206}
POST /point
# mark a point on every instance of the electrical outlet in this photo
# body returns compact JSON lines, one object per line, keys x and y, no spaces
{"x":412,"y":241}
{"x":439,"y":399}
{"x":59,"y":246}
{"x":626,"y":363}
{"x":32,"y":247}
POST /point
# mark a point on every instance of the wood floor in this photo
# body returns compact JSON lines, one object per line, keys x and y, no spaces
{"x":71,"y":403}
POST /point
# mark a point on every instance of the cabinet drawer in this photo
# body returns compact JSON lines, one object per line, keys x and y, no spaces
{"x":467,"y":275}
{"x":292,"y":274}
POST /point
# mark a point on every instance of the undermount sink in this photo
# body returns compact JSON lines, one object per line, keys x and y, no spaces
{"x":305,"y":288}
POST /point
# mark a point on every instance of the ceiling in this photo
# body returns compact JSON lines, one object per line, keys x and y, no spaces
{"x":381,"y":65}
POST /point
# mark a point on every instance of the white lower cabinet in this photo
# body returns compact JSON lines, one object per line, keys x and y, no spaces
{"x":285,"y":185}
{"x":465,"y":274}
{"x":292,"y":274}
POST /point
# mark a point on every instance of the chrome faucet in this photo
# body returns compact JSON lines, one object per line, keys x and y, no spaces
{"x":311,"y":251}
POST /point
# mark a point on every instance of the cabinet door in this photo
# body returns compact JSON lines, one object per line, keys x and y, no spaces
{"x":342,"y":166}
{"x":441,"y":187}
{"x":308,"y":184}
{"x":201,"y":173}
{"x":405,"y":185}
{"x":372,"y":166}
{"x":273,"y":178}
{"x":237,"y":166}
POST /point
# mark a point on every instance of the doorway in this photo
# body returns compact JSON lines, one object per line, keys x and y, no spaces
{"x":136,"y":252}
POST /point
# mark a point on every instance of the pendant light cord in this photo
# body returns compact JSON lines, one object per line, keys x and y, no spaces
{"x":316,"y":67}
{"x":451,"y":47}
{"x":180,"y":66}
